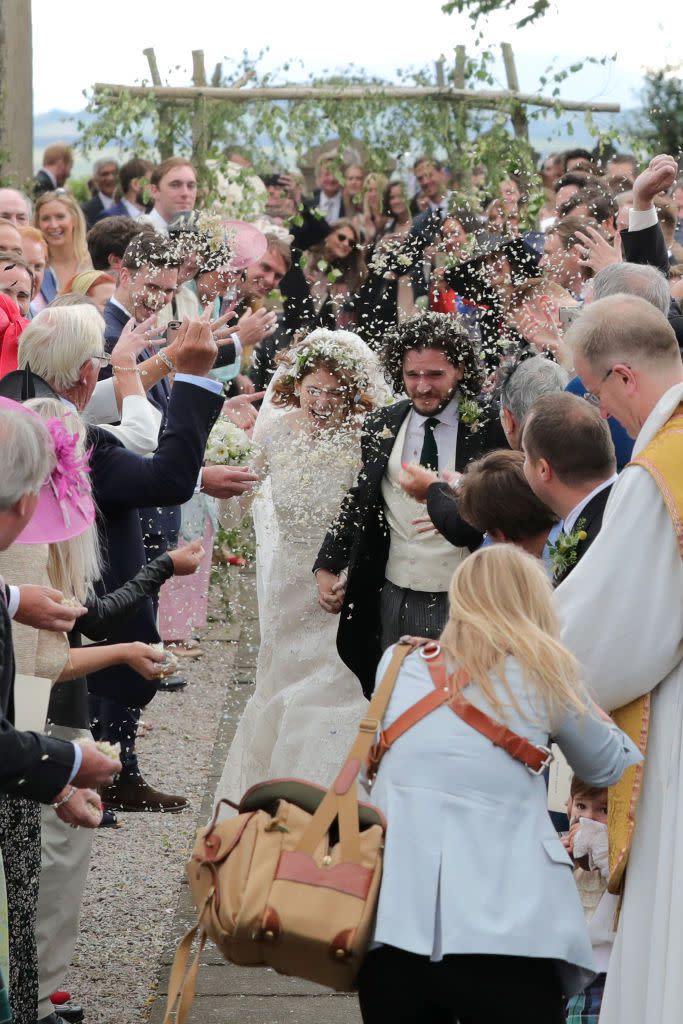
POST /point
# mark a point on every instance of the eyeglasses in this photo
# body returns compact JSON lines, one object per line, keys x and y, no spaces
{"x":100,"y":361}
{"x":592,"y":396}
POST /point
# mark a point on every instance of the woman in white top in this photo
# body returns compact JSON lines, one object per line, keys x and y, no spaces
{"x":479,"y":919}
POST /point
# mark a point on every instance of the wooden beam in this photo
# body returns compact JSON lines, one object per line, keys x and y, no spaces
{"x":200,"y":127}
{"x":518,"y":116}
{"x":482,"y":98}
{"x":16,"y":93}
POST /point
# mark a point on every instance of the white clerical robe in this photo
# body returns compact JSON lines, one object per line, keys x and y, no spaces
{"x":621,"y":611}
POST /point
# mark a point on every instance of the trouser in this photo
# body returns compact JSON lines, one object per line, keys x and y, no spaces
{"x":65,"y":858}
{"x":397,"y":987}
{"x":116,"y":723}
{"x":416,"y":612}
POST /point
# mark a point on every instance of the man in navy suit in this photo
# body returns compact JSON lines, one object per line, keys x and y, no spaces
{"x":570,"y":465}
{"x":104,"y":179}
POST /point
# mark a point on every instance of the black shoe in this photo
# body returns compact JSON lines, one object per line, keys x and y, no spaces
{"x":52,"y":1018}
{"x":109,"y":820}
{"x":174,"y":682}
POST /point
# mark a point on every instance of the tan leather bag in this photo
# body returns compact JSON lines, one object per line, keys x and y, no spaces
{"x":292,"y":881}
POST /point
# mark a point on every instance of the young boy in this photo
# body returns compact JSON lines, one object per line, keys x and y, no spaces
{"x":586,"y":842}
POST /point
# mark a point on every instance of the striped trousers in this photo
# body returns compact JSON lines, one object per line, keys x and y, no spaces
{"x":415,"y":612}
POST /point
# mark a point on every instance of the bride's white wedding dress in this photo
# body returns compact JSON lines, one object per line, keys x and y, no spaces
{"x":306,"y":706}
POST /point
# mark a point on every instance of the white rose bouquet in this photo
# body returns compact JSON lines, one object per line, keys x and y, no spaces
{"x":228,"y":445}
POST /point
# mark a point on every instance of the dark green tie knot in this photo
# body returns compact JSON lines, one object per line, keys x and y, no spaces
{"x":429,"y":456}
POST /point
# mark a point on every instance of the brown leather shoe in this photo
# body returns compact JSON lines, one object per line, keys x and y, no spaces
{"x":138,"y":795}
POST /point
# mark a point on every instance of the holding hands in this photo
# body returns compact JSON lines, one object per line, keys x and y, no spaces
{"x":331,"y":590}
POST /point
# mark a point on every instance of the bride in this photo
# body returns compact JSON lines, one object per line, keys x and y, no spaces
{"x":306,"y":706}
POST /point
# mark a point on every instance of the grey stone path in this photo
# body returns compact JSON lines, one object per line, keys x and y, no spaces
{"x":228,"y":994}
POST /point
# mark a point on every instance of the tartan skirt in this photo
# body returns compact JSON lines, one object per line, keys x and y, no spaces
{"x":585,"y":1008}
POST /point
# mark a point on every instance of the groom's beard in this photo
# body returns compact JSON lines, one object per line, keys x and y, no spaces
{"x":432,"y":410}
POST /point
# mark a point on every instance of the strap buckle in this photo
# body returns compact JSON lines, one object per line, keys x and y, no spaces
{"x":545,"y":763}
{"x":370,"y":725}
{"x":430,"y":651}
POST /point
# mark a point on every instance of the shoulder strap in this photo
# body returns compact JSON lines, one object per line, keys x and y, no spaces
{"x":449,"y":692}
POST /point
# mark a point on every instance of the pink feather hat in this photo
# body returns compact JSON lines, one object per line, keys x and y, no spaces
{"x":65,"y":506}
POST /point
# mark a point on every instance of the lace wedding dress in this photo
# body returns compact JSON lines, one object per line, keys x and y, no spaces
{"x":305,"y":709}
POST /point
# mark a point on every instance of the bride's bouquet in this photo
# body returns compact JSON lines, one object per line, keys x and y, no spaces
{"x":228,"y":445}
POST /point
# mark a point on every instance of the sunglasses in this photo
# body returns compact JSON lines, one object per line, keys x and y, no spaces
{"x":349,"y":239}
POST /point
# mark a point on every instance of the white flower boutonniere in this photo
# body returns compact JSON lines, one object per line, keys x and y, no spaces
{"x":386,"y":434}
{"x":563,"y":553}
{"x":470,"y":413}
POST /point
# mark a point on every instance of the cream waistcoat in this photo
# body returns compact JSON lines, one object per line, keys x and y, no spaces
{"x":417,"y":561}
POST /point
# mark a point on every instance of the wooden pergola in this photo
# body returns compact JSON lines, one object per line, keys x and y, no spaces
{"x":200,"y":93}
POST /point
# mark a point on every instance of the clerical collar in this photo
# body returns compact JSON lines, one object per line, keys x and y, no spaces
{"x":570,"y":520}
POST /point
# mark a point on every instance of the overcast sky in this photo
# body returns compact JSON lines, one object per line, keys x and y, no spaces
{"x":80,"y":42}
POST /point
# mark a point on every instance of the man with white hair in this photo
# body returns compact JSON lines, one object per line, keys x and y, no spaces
{"x":104,"y":175}
{"x":65,"y":347}
{"x":15,"y":207}
{"x":622,"y":615}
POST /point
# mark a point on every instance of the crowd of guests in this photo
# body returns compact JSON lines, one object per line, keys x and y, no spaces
{"x":130,"y":322}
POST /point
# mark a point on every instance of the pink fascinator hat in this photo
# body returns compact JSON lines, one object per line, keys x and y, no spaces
{"x":65,"y":506}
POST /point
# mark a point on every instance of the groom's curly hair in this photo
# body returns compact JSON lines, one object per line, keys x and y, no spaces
{"x":433,"y":330}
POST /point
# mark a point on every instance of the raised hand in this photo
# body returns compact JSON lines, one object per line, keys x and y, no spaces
{"x":194,"y":348}
{"x":253,"y":327}
{"x":240,"y":410}
{"x":597,"y":251}
{"x":187,"y":559}
{"x":660,"y":175}
{"x":133,"y":339}
{"x":416,"y":480}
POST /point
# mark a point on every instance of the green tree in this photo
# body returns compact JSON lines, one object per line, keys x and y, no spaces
{"x":660,"y":124}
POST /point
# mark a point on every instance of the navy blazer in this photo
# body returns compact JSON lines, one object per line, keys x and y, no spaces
{"x":359,"y":537}
{"x":92,"y":210}
{"x":117,"y":210}
{"x":41,"y":763}
{"x":122,"y":482}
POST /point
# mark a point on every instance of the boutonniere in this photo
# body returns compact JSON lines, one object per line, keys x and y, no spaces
{"x":563,"y":551}
{"x":386,"y":434}
{"x":470,"y":413}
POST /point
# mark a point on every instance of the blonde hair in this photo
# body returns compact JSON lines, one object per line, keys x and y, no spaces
{"x":501,"y":606}
{"x":59,"y":340}
{"x":380,"y":181}
{"x":73,"y":565}
{"x":78,"y":220}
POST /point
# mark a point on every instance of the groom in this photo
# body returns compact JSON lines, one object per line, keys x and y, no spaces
{"x":384,"y":577}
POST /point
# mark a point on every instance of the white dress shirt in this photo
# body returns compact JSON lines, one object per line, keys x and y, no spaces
{"x":107,"y":201}
{"x":331,"y":206}
{"x":156,"y":220}
{"x":445,"y":435}
{"x":571,"y":518}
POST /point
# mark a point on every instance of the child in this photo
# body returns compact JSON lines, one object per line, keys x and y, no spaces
{"x":587,"y":844}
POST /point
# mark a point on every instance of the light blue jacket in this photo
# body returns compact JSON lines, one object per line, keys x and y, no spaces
{"x":472,"y":862}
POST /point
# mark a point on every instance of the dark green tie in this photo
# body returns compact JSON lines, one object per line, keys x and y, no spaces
{"x":429,"y":456}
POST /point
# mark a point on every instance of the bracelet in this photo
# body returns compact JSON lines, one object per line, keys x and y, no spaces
{"x":129,"y":369}
{"x":166,"y":361}
{"x":65,"y":799}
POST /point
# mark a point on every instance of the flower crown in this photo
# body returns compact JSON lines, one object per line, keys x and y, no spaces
{"x":323,"y":345}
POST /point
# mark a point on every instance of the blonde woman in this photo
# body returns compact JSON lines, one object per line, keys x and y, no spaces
{"x":478,"y":913}
{"x":61,"y":220}
{"x":374,"y":220}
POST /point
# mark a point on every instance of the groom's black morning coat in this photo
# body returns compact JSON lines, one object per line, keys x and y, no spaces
{"x":359,"y":537}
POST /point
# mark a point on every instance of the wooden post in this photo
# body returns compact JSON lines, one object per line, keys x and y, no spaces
{"x":518,"y":116}
{"x":200,"y":127}
{"x":165,"y":139}
{"x":16,"y":92}
{"x":461,"y":108}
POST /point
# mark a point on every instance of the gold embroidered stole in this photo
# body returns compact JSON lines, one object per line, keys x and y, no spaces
{"x":663,"y":459}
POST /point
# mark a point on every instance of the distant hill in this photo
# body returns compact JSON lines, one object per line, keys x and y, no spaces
{"x":546,"y":134}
